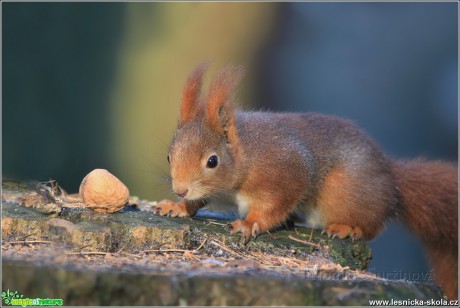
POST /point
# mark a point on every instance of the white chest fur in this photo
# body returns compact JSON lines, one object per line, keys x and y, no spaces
{"x":313,"y":217}
{"x":243,"y":204}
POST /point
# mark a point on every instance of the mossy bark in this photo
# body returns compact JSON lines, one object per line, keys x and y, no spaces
{"x":298,"y":266}
{"x":140,"y":230}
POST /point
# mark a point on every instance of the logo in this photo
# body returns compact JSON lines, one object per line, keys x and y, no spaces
{"x":15,"y":298}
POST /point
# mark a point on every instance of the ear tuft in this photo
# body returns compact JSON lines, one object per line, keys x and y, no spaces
{"x":219,"y":111}
{"x":192,"y":90}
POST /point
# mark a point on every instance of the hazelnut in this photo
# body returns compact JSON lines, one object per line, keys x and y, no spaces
{"x":103,"y":192}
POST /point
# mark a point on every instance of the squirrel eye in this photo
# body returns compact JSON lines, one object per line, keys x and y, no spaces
{"x":167,"y":157}
{"x":212,"y":162}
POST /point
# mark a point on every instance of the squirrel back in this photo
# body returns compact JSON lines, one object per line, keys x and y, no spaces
{"x":334,"y":170}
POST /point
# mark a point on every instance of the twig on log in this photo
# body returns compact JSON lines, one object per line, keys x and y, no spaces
{"x":304,"y":242}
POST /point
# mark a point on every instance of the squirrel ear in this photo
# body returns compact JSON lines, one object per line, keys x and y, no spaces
{"x":220,"y":111}
{"x":190,"y":96}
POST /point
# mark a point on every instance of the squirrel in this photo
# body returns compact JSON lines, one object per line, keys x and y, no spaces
{"x":274,"y":164}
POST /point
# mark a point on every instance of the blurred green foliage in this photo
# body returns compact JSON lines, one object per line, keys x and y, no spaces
{"x":92,"y":85}
{"x":161,"y":45}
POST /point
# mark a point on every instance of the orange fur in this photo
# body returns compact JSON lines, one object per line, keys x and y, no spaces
{"x":342,"y":203}
{"x":177,"y":209}
{"x":219,"y":113}
{"x":336,"y":187}
{"x":273,"y":164}
{"x":190,"y":95}
{"x":429,"y":207}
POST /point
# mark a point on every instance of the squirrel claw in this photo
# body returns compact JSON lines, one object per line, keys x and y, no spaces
{"x":247,"y":228}
{"x":170,"y":209}
{"x":255,"y":230}
{"x":342,"y":231}
{"x":356,"y":234}
{"x":235,"y":226}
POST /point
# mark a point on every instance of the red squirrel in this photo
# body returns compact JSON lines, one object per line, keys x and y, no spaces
{"x":273,"y":164}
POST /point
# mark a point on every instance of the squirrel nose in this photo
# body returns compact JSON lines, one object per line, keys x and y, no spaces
{"x":182,"y":193}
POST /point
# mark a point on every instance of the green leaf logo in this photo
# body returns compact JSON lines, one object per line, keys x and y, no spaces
{"x":8,"y":296}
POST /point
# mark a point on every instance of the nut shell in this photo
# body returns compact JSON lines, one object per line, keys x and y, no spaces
{"x":103,"y":192}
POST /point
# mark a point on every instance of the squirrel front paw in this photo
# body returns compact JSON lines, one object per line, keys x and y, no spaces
{"x":342,"y":231}
{"x":247,"y":228}
{"x":171,"y":208}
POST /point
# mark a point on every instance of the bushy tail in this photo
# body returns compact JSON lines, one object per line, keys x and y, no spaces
{"x":429,"y":197}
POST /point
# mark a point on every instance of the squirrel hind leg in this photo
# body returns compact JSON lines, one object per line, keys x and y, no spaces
{"x":343,"y":231}
{"x":350,"y":208}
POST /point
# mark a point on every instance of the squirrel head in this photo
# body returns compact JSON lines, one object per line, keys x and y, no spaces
{"x":205,"y":150}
